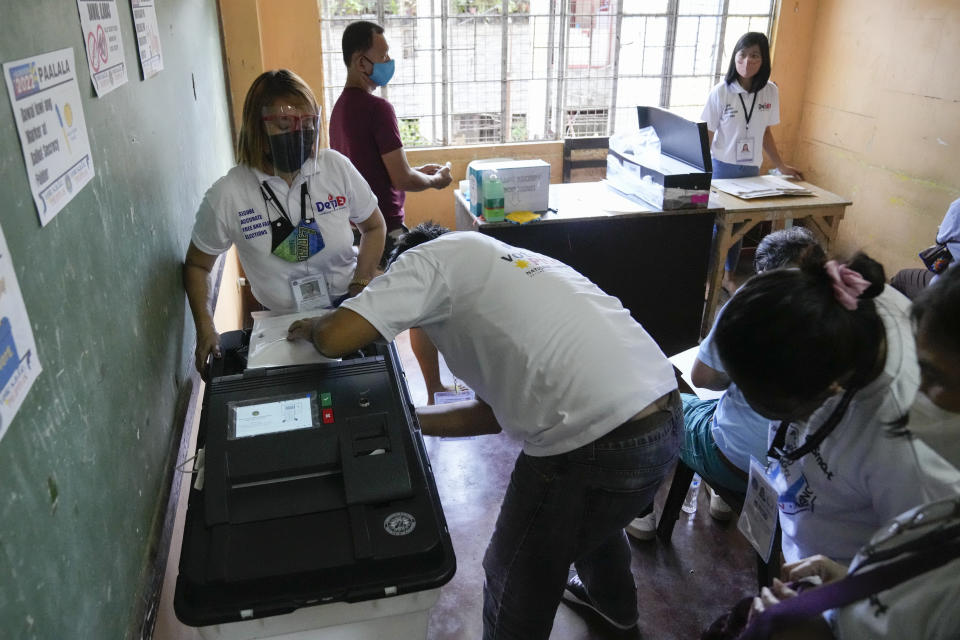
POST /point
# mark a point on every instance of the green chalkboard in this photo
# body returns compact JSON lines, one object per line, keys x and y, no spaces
{"x":83,"y":464}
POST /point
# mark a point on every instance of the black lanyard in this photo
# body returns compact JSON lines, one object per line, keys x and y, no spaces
{"x":748,"y":114}
{"x":276,"y":203}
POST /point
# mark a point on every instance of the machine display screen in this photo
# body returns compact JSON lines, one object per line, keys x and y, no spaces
{"x":272,"y":415}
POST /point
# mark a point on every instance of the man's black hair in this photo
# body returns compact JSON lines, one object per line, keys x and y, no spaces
{"x":786,"y":248}
{"x":358,"y":36}
{"x":423,"y":232}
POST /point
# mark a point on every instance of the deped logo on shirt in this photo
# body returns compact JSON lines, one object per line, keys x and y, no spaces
{"x":765,"y":106}
{"x":332,"y":204}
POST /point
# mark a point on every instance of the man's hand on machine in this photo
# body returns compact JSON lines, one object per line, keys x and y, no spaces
{"x":302,"y":329}
{"x":208,"y":344}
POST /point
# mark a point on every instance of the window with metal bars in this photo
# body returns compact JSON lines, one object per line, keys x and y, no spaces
{"x":552,"y":68}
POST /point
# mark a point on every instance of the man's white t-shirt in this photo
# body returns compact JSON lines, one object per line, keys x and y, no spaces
{"x":560,"y":362}
{"x":861,"y":476}
{"x":725,"y":116}
{"x":235,"y":211}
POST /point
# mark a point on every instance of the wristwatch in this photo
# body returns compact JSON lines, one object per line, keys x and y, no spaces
{"x":361,"y":282}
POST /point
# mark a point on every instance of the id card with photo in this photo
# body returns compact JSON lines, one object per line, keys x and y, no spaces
{"x":310,"y":292}
{"x":746,"y":149}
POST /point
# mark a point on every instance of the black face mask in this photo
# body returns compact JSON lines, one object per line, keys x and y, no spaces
{"x":289,"y":151}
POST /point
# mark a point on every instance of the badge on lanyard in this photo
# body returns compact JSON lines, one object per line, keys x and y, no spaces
{"x":758,"y":520}
{"x":746,"y":144}
{"x":293,"y":244}
{"x":311,"y":292}
{"x":745,"y":148}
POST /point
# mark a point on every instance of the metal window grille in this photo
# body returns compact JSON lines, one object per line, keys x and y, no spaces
{"x":552,"y":68}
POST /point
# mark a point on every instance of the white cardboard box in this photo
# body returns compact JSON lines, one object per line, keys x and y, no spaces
{"x":526,"y":184}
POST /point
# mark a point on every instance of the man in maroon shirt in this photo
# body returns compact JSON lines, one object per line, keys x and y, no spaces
{"x":364,"y":128}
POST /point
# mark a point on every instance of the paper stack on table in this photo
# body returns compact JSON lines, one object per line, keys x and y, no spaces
{"x":760,"y":187}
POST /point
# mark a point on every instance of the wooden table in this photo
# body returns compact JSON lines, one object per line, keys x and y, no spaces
{"x":654,"y":261}
{"x":821,"y":213}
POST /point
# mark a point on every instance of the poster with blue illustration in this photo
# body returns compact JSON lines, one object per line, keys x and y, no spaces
{"x":19,"y":365}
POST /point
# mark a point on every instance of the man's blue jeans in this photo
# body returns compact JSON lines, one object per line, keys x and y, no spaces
{"x":572,"y":508}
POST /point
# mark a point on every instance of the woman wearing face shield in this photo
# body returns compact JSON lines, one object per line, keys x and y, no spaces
{"x":287,"y":206}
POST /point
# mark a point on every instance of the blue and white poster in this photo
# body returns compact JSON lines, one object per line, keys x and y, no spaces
{"x":46,"y":105}
{"x":19,"y":365}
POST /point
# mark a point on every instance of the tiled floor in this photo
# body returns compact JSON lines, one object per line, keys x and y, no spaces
{"x":682,"y":587}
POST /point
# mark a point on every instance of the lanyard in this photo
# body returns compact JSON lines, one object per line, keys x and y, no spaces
{"x":748,"y":114}
{"x":276,"y":202}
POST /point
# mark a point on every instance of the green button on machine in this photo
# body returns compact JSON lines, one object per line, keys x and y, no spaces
{"x":326,"y":400}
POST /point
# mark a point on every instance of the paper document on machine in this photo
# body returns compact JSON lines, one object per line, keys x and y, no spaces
{"x":760,"y":187}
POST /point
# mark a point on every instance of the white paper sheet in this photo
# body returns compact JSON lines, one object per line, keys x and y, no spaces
{"x":269,"y":346}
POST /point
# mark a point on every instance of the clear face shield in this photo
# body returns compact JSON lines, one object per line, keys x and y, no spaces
{"x":293,"y":130}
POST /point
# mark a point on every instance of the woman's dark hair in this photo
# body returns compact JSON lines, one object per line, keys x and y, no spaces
{"x":423,"y":232}
{"x":358,"y":37}
{"x":785,"y":334}
{"x":936,"y":311}
{"x":747,"y":40}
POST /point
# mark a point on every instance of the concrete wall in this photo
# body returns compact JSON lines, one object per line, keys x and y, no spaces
{"x":880,"y":120}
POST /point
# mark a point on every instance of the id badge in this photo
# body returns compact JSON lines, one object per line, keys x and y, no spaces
{"x":310,"y":292}
{"x":758,"y":520}
{"x":745,"y":149}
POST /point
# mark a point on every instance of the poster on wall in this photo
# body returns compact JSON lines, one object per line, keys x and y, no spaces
{"x":101,"y":33}
{"x":148,"y":37}
{"x":46,"y":105}
{"x":19,"y":364}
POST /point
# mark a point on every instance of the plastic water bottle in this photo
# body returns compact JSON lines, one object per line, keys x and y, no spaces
{"x":690,"y":502}
{"x":492,"y":198}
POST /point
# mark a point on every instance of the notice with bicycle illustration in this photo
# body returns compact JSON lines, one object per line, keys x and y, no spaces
{"x":100,"y":23}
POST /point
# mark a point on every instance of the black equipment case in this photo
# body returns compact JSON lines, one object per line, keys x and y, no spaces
{"x":342,"y":509}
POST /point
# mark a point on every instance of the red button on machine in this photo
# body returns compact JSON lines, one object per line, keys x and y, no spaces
{"x":327,"y":416}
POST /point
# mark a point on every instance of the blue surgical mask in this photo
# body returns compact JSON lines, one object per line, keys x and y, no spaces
{"x":382,"y":72}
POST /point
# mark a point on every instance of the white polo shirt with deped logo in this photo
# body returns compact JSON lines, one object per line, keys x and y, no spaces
{"x":560,"y":362}
{"x":234,"y":211}
{"x":725,"y":116}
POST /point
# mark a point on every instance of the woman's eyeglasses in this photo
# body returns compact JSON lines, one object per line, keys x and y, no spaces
{"x":288,"y":122}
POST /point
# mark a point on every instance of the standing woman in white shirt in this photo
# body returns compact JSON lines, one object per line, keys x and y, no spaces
{"x":288,"y":207}
{"x":739,"y":113}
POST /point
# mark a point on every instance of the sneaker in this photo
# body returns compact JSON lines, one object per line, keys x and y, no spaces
{"x":576,"y":593}
{"x":719,"y":510}
{"x":644,"y":527}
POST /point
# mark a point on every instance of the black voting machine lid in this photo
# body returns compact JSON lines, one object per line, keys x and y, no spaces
{"x":345,"y":509}
{"x":680,"y":138}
